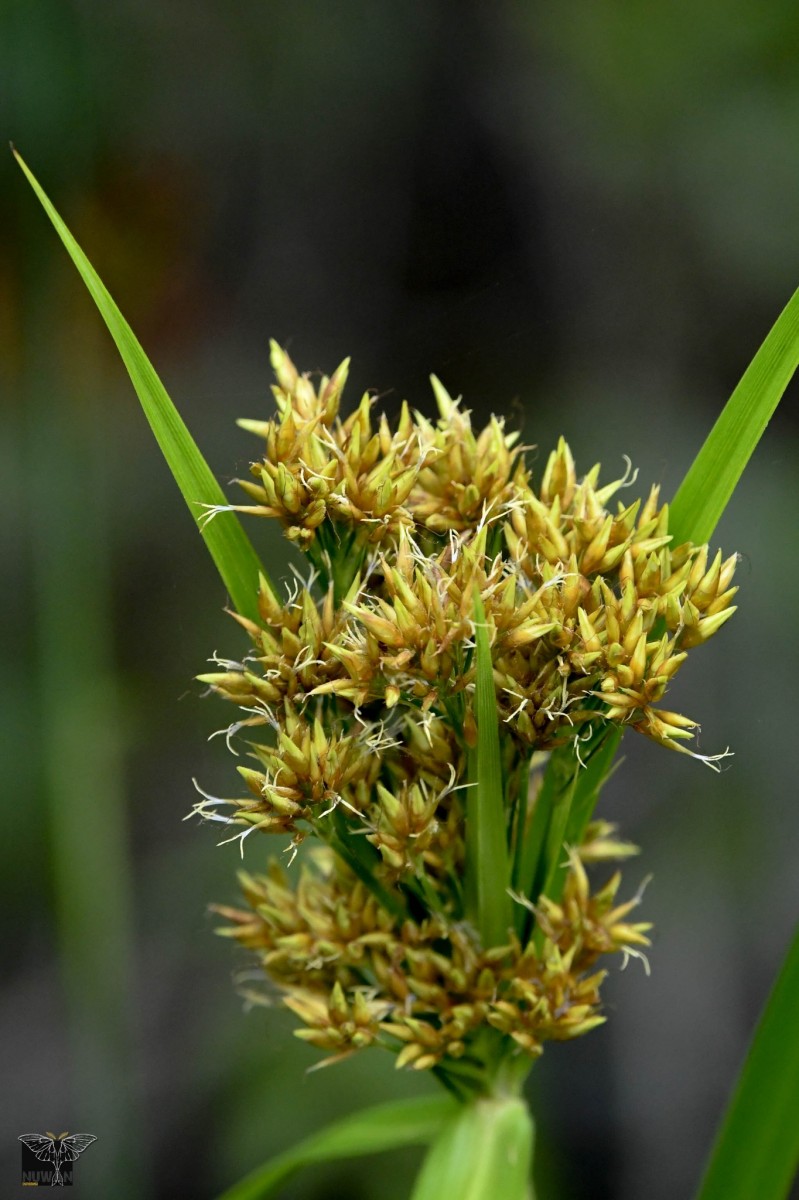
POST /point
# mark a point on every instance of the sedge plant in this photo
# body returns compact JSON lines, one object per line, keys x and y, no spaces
{"x":426,"y":718}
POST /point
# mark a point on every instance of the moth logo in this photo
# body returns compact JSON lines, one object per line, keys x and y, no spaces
{"x":47,"y":1158}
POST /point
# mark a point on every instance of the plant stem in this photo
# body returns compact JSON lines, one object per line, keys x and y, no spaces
{"x":484,"y":1152}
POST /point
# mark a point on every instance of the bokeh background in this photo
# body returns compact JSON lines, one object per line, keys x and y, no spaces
{"x":583,"y":215}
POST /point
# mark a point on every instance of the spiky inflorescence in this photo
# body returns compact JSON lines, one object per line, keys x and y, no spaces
{"x":364,"y":679}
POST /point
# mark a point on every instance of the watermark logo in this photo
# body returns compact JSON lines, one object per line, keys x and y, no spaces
{"x":47,"y":1158}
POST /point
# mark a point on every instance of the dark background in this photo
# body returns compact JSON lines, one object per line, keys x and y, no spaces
{"x":583,"y":215}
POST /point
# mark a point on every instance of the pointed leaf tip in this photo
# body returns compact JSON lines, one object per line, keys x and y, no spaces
{"x":714,"y":474}
{"x":230,"y":548}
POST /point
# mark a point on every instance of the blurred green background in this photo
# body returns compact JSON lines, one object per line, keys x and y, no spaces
{"x":583,"y":215}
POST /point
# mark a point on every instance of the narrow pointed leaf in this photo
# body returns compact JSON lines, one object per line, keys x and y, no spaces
{"x":756,"y":1153}
{"x":711,"y":480}
{"x":227,"y":542}
{"x":706,"y":489}
{"x":384,"y":1127}
{"x":487,"y":858}
{"x":694,"y":514}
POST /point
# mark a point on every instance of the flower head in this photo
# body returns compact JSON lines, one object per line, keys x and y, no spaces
{"x":363,"y":686}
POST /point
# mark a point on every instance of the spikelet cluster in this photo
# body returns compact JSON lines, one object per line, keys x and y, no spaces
{"x":359,"y":692}
{"x":357,"y":975}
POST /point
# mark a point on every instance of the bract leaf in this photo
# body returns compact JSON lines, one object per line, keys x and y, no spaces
{"x":756,"y":1152}
{"x":230,"y":548}
{"x":704,"y":493}
{"x":384,"y":1127}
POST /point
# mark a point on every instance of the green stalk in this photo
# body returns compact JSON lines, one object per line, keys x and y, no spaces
{"x":487,"y":860}
{"x":483,"y":1153}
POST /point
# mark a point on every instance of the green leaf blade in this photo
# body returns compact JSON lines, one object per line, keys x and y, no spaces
{"x":387,"y":1126}
{"x":487,"y":858}
{"x":757,"y":1149}
{"x":229,"y":546}
{"x":712,"y":478}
